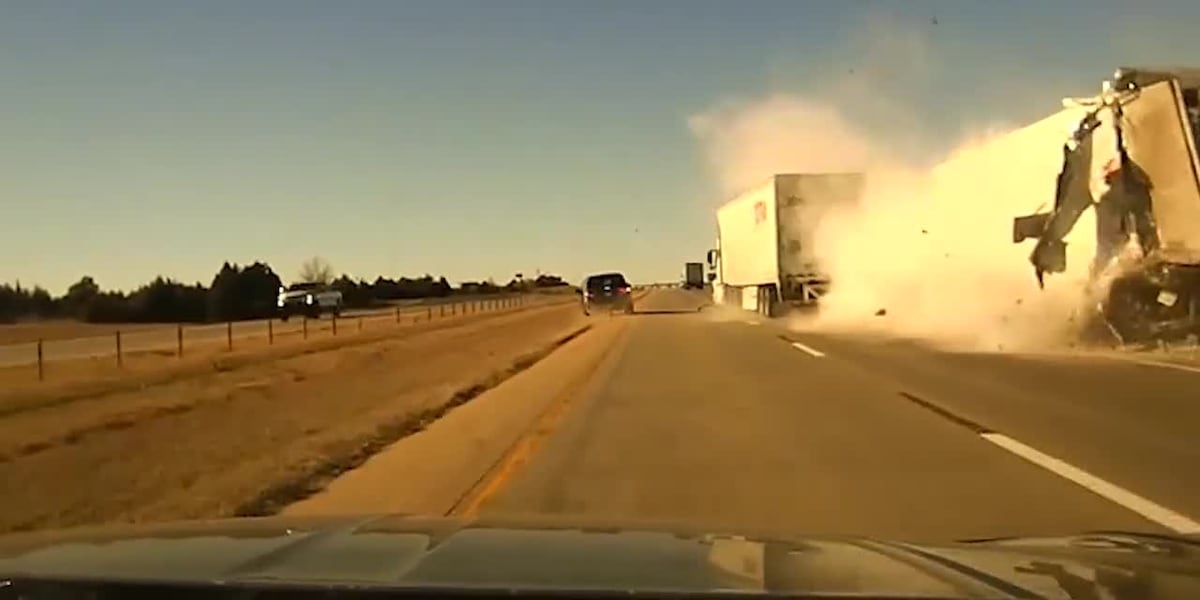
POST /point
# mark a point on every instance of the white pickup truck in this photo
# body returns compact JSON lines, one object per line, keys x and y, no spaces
{"x":308,"y":299}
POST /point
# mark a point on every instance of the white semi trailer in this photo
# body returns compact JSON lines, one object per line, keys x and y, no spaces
{"x":764,"y":258}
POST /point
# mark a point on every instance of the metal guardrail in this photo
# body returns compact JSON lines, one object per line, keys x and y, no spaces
{"x":180,"y":340}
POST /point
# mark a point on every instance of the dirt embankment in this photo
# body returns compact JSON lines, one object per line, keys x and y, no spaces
{"x":245,"y":439}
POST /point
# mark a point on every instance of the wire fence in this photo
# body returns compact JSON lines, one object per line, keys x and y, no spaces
{"x":179,"y":341}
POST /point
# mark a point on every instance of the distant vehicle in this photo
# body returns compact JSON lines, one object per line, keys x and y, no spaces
{"x":693,"y":276}
{"x":764,"y":257}
{"x":308,"y":299}
{"x":607,"y":290}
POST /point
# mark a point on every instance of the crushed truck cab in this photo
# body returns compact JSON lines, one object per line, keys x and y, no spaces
{"x":1140,"y":133}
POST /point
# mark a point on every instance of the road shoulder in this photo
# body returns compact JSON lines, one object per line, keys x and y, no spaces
{"x":434,"y":470}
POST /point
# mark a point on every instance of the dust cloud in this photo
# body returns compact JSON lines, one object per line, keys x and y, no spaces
{"x":928,"y":252}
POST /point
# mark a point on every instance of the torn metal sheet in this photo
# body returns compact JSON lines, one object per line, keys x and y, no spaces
{"x":1150,"y":200}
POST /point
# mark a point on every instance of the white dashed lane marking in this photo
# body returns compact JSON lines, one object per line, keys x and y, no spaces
{"x":1112,"y":492}
{"x":1167,"y":365}
{"x":808,"y":349}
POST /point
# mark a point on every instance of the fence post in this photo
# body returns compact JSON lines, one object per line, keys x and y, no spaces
{"x":334,"y":324}
{"x":397,"y":315}
{"x":41,"y":362}
{"x":429,"y":313}
{"x":120,"y":360}
{"x":179,"y":341}
{"x":360,"y":323}
{"x":229,"y":335}
{"x":270,"y":332}
{"x":441,"y":310}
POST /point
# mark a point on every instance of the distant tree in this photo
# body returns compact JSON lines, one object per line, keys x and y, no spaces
{"x":355,"y":294}
{"x":316,"y":270}
{"x":222,"y":293}
{"x":167,"y":301}
{"x":80,"y":296}
{"x":108,"y":307}
{"x":243,"y":293}
{"x":442,"y":288}
{"x":12,"y":303}
{"x":258,"y":288}
{"x":43,"y":304}
{"x":385,"y":289}
{"x":234,"y":293}
{"x":549,"y":281}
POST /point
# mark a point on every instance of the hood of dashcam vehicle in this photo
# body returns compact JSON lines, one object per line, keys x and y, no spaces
{"x":406,"y":551}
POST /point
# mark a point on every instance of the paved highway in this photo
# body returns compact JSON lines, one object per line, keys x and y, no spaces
{"x":689,"y":416}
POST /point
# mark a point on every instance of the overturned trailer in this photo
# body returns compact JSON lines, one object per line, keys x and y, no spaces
{"x":1140,"y":134}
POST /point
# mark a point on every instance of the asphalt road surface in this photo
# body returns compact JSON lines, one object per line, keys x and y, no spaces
{"x":723,"y":422}
{"x":718,"y":420}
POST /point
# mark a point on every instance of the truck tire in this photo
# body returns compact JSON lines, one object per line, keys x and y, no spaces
{"x":766,"y":301}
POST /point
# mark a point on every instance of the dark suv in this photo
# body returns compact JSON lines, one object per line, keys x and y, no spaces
{"x":607,"y":290}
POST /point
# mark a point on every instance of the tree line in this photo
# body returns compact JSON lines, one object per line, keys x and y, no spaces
{"x":235,"y":293}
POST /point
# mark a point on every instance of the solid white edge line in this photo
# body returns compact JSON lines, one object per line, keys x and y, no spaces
{"x":1166,"y":365}
{"x":752,"y":322}
{"x":812,"y":351}
{"x":1112,"y":492}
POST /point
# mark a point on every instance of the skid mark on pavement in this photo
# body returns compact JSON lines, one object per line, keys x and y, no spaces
{"x":1101,"y":487}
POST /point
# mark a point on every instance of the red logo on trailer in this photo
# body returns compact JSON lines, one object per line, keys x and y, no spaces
{"x":760,"y":212}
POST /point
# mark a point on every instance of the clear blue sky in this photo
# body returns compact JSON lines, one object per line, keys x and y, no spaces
{"x":470,"y":139}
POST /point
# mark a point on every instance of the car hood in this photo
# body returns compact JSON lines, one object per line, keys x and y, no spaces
{"x":404,"y":551}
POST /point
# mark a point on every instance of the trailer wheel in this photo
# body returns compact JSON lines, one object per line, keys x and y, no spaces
{"x":766,"y":301}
